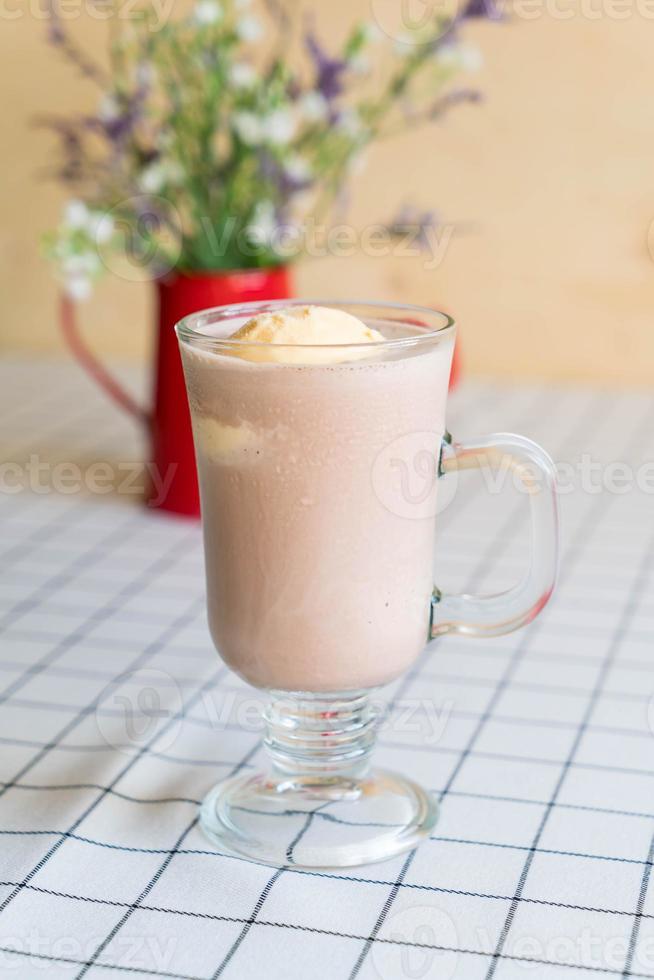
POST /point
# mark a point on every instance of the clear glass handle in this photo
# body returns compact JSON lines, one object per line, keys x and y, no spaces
{"x":493,"y":615}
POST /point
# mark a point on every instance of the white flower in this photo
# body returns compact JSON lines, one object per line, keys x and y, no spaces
{"x":248,"y":127}
{"x":77,"y":271}
{"x":262,"y":227}
{"x":207,"y":12}
{"x":144,"y":73}
{"x":249,"y":28}
{"x":279,"y":127}
{"x":76,"y":215}
{"x":358,"y":163}
{"x":100,"y":227}
{"x":242,"y":75}
{"x":464,"y":57}
{"x":163,"y":140}
{"x":472,"y":59}
{"x":359,"y":64}
{"x":78,"y":288}
{"x":304,"y":201}
{"x":108,"y":110}
{"x":152,"y":178}
{"x":349,"y":121}
{"x":314,"y":106}
{"x":372,"y":32}
{"x":157,"y":175}
{"x":297,"y":169}
{"x":80,"y":264}
{"x":405,"y":43}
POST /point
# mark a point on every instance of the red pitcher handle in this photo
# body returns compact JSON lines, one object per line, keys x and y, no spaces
{"x":95,"y":367}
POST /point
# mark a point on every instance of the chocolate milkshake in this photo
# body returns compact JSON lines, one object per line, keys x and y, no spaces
{"x":319,"y":573}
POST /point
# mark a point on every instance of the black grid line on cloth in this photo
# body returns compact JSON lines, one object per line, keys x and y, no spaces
{"x":102,"y":677}
{"x":57,"y":423}
{"x":593,"y":856}
{"x":130,"y":970}
{"x":137,"y":617}
{"x":293,"y":927}
{"x":18,"y":408}
{"x":595,"y":695}
{"x":248,"y":923}
{"x":591,"y":970}
{"x":114,"y":792}
{"x":566,"y":629}
{"x":158,"y":873}
{"x":576,"y":602}
{"x":80,"y":563}
{"x":54,"y":402}
{"x":383,"y":743}
{"x":524,"y":800}
{"x":98,"y":615}
{"x":536,"y":688}
{"x":252,"y":919}
{"x":42,"y":533}
{"x":137,"y":756}
{"x":517,"y":720}
{"x":316,"y":930}
{"x":593,"y":411}
{"x":141,"y":659}
{"x":182,"y":799}
{"x":639,"y":914}
{"x":602,"y":502}
{"x":132,"y":907}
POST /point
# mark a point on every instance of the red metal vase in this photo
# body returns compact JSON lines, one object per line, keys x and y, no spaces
{"x":455,"y":373}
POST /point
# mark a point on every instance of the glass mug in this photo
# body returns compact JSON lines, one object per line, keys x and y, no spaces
{"x":319,"y":564}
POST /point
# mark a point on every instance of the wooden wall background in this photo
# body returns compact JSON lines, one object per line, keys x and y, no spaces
{"x":550,"y":184}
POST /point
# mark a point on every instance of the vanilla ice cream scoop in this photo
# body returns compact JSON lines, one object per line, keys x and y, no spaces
{"x":287,"y":335}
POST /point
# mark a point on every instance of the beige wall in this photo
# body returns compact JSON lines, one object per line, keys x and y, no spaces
{"x":550,"y":185}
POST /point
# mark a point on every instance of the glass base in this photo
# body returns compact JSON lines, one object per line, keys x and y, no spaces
{"x":318,"y":822}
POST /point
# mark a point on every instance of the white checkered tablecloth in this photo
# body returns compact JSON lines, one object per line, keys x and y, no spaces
{"x":116,"y":716}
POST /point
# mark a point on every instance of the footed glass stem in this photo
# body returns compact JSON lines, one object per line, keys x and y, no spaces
{"x":319,"y":805}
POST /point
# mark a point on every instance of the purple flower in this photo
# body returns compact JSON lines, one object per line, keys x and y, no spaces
{"x":55,"y":31}
{"x":329,"y":71}
{"x":57,"y":36}
{"x":72,"y":152}
{"x":115,"y":128}
{"x":411,"y":220}
{"x":490,"y":9}
{"x":119,"y":119}
{"x":457,"y":96}
{"x":284,"y":181}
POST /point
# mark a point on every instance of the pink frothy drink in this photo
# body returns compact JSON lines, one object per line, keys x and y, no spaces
{"x":316,"y":579}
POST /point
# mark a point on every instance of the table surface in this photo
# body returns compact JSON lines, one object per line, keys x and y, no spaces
{"x":116,"y":717}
